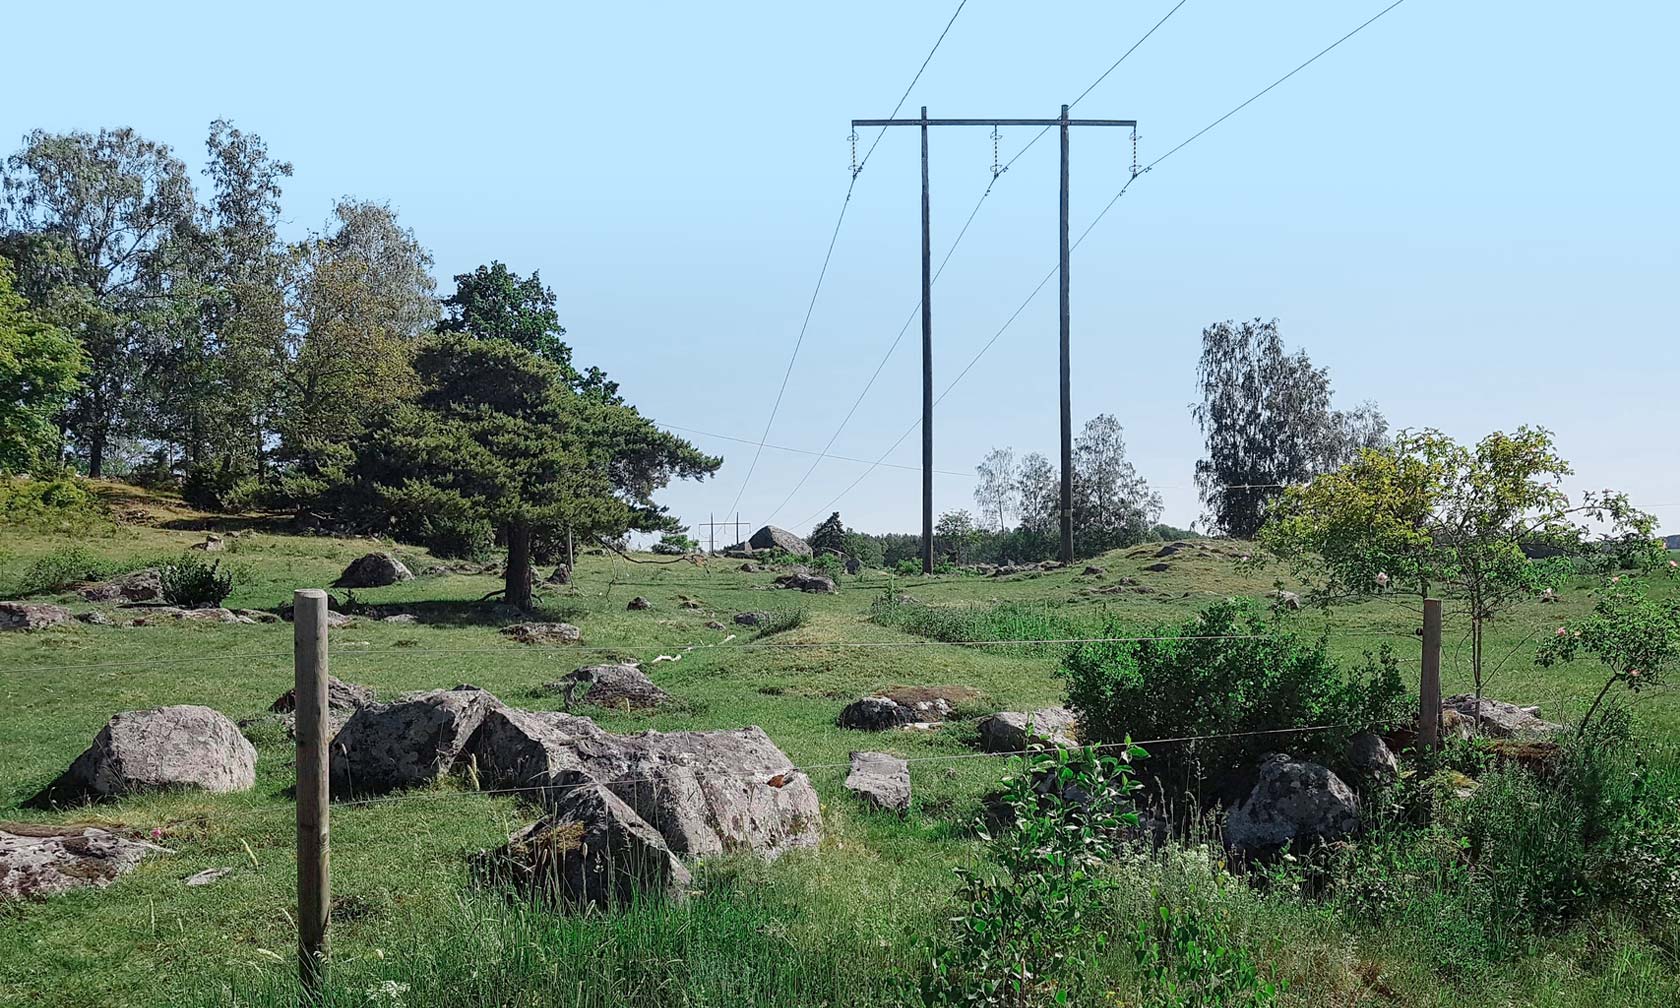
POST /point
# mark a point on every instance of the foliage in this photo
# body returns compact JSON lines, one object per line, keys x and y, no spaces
{"x":675,"y":544}
{"x":1113,"y":506}
{"x":1232,"y":669}
{"x":998,"y":494}
{"x":1427,"y":514}
{"x":1003,"y":621}
{"x":497,"y":434}
{"x":953,"y":534}
{"x":1028,"y":926}
{"x":61,"y":503}
{"x":829,"y":536}
{"x":1267,"y":418}
{"x":867,"y":549}
{"x":92,"y":223}
{"x":1633,"y":635}
{"x":191,"y":581}
{"x":1188,"y":963}
{"x":40,"y":365}
{"x":908,"y":568}
{"x":62,"y":568}
{"x":827,"y":563}
{"x":781,"y":620}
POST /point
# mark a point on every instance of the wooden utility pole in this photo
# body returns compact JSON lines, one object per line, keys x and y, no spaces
{"x":1429,"y":685}
{"x":1062,"y":122}
{"x":314,"y":885}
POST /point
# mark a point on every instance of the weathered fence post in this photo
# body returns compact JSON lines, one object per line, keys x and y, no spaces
{"x":314,"y":886}
{"x":1429,"y":687}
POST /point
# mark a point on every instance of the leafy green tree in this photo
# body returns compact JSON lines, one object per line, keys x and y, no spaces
{"x":92,"y":222}
{"x":1113,"y":506}
{"x":1633,"y":635}
{"x":493,"y":302}
{"x":1268,"y":421}
{"x":361,"y":300}
{"x":497,"y":433}
{"x":676,"y":544}
{"x":1040,"y":494}
{"x":954,"y":533}
{"x":998,"y":493}
{"x":828,"y":537}
{"x":1428,"y":515}
{"x":39,"y":366}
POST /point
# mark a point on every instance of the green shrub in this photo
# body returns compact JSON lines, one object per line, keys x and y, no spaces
{"x":782,"y":620}
{"x":1186,"y":962}
{"x":908,"y":568}
{"x":675,"y":544}
{"x":206,"y":487}
{"x":1004,"y":621}
{"x":63,"y":567}
{"x":1028,"y":928}
{"x":63,"y":503}
{"x":828,"y":563}
{"x":1231,"y":670}
{"x":191,"y":582}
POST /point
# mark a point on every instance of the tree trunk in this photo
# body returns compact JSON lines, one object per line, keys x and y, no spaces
{"x":517,"y":585}
{"x":96,"y":453}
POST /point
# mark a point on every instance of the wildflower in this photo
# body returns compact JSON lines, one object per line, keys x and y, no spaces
{"x":1613,"y":580}
{"x":1561,"y":631}
{"x":1673,"y":563}
{"x":157,"y":832}
{"x":1633,"y":673}
{"x":1382,"y":579}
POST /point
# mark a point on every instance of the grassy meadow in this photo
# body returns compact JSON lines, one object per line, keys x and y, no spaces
{"x":845,"y":924}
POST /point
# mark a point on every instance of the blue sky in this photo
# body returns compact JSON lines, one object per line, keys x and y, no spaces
{"x":1467,"y":212}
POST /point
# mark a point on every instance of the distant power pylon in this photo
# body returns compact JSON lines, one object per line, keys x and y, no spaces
{"x":927,"y":315}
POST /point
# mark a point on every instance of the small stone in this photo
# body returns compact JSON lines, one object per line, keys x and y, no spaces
{"x":206,"y":876}
{"x":543,"y":633}
{"x":881,"y":780}
{"x":638,"y":603}
{"x":751,"y":618}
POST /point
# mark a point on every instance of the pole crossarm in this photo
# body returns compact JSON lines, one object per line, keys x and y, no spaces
{"x":994,"y":122}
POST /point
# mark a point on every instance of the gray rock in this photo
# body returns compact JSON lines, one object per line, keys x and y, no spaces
{"x":93,"y":617}
{"x":876,"y":713}
{"x":1499,"y":719}
{"x":854,"y":566}
{"x":544,"y":633}
{"x":338,"y":620}
{"x":375,"y":570}
{"x":881,"y":780}
{"x":639,"y":603}
{"x":591,"y":849}
{"x":206,"y":876}
{"x":562,"y":575}
{"x":136,"y":586}
{"x":708,"y":792}
{"x":619,"y":686}
{"x":212,"y":544}
{"x":1016,"y":731}
{"x":751,"y":618}
{"x":32,"y":615}
{"x":1092,"y":570}
{"x":771,"y":537}
{"x":1158,"y":568}
{"x":400,"y":619}
{"x":413,"y":741}
{"x":715,"y":625}
{"x":1287,"y":599}
{"x":213,"y":614}
{"x":806,"y":581}
{"x":1293,"y":804}
{"x":38,"y":861}
{"x":257,"y":615}
{"x":185,"y":746}
{"x":1371,"y":760}
{"x":342,"y":697}
{"x":693,"y":604}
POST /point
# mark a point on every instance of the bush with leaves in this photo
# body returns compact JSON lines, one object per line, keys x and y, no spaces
{"x":63,"y":503}
{"x":1635,"y":637}
{"x":675,"y":544}
{"x":1029,"y":926}
{"x":1233,"y":669}
{"x":1185,"y":962}
{"x":194,"y":582}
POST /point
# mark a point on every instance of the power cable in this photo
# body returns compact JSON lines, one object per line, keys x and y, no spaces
{"x":828,"y":257}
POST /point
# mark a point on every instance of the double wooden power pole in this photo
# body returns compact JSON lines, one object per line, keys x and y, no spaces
{"x":927,"y":316}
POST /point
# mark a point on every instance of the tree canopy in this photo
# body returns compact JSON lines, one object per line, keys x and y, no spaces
{"x":39,"y":366}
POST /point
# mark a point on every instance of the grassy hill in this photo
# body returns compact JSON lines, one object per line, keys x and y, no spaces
{"x":836,"y":925}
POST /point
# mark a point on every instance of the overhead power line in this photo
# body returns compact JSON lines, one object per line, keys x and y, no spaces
{"x":1098,"y":219}
{"x":803,"y":451}
{"x":997,"y":174}
{"x":828,"y":257}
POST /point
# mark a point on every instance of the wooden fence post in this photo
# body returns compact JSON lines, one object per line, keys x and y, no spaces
{"x":314,"y":886}
{"x":1429,"y":686}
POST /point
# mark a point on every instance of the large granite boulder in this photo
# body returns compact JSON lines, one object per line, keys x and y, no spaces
{"x":412,"y":741}
{"x":1294,"y":804}
{"x":543,"y":633}
{"x":618,"y":686}
{"x":772,"y":538}
{"x":185,"y":746}
{"x":38,"y":861}
{"x":1017,"y":731}
{"x":881,"y":780}
{"x":343,"y":700}
{"x":375,"y":570}
{"x":706,"y":792}
{"x":805,"y":581}
{"x":32,"y":615}
{"x":136,"y":586}
{"x":1498,"y":719}
{"x":591,"y":849}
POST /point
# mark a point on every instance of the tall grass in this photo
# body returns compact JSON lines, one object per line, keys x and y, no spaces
{"x":723,"y":948}
{"x":1001,"y":621}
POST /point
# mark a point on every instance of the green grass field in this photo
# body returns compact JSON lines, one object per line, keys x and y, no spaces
{"x":844,"y":924}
